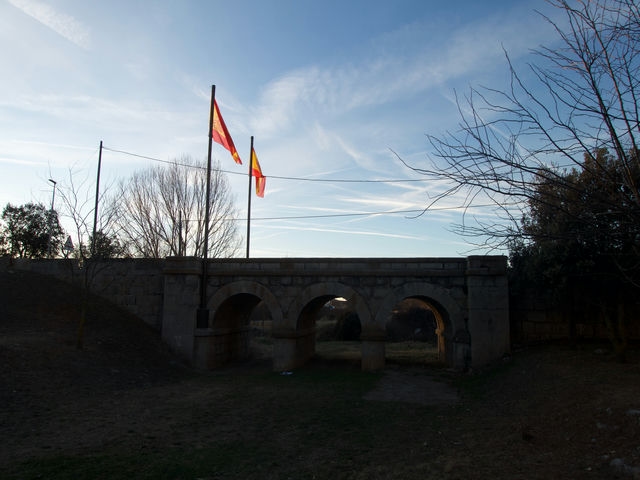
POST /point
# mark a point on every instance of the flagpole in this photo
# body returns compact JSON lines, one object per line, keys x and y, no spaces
{"x":95,"y":209}
{"x":249,"y":198}
{"x":202,"y":320}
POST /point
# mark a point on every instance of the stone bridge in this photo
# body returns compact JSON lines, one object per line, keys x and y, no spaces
{"x":469,"y":298}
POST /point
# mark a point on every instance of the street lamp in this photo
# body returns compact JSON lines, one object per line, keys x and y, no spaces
{"x":53,"y":199}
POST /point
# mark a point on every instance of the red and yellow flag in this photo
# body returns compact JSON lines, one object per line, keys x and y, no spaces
{"x":221,"y":135}
{"x":256,"y":171}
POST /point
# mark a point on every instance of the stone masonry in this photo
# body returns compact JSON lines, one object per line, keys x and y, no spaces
{"x":469,"y":297}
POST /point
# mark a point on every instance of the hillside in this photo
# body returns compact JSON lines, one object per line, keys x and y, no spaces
{"x":42,"y":370}
{"x":39,"y":331}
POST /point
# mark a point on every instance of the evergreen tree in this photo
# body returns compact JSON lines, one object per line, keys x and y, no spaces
{"x":31,"y":231}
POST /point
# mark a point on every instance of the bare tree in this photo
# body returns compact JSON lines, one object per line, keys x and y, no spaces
{"x":583,"y":97}
{"x":162,"y":211}
{"x":557,"y":155}
{"x":77,"y":194}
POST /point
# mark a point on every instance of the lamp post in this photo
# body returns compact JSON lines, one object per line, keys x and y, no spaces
{"x":53,"y":199}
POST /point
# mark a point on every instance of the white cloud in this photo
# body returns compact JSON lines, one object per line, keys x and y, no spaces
{"x":314,"y":92}
{"x":16,"y":161}
{"x":283,"y":99}
{"x":342,"y":231}
{"x":61,"y":23}
{"x":96,"y":110}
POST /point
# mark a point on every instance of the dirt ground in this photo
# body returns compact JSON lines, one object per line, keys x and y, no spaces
{"x":548,"y":412}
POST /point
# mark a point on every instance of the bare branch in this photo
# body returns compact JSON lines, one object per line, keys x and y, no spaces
{"x":162,"y":212}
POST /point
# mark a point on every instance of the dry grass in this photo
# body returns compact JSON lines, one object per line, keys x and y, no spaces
{"x":399,"y":353}
{"x":405,"y":353}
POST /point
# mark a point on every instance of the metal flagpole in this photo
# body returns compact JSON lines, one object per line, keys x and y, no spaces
{"x":249,"y":200}
{"x":202,"y":320}
{"x":95,"y":209}
{"x":53,"y":200}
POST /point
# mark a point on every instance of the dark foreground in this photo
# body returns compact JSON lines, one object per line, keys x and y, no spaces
{"x":124,"y":407}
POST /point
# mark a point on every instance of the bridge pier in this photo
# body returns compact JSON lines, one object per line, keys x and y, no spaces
{"x":373,"y":350}
{"x":202,"y":348}
{"x":181,"y":298}
{"x":284,"y":354}
{"x":292,"y":348}
{"x":214,"y":347}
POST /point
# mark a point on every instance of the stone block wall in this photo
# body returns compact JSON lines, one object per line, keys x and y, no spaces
{"x":181,"y":301}
{"x":136,"y":285}
{"x":535,"y":318}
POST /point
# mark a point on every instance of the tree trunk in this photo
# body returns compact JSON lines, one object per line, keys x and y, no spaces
{"x":617,"y":332}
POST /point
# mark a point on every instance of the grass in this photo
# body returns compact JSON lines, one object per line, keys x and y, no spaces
{"x":255,"y":424}
{"x":401,"y":353}
{"x":124,"y":408}
{"x":276,"y":425}
{"x":176,"y":463}
{"x":404,"y":353}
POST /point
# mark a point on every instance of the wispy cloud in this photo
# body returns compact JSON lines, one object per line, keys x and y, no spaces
{"x":343,"y":231}
{"x":82,"y":108}
{"x":314,"y":91}
{"x":52,"y":145}
{"x":15,"y":161}
{"x":61,"y":23}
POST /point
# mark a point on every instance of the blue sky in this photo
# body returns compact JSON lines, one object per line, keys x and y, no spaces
{"x":327,"y":89}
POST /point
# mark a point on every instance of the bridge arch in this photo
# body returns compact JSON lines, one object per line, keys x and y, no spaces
{"x":310,"y":299}
{"x":227,"y":335}
{"x":294,"y":337}
{"x":449,"y":315}
{"x":244,"y":288}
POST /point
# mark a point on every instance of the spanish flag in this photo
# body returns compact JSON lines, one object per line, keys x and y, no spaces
{"x":220,"y":134}
{"x":256,"y":171}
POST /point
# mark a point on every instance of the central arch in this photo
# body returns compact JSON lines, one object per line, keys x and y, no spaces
{"x":297,"y":329}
